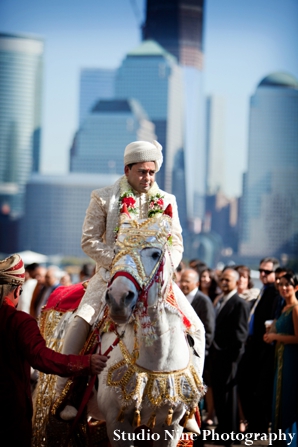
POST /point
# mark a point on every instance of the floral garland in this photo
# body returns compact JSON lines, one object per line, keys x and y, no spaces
{"x":128,"y":198}
{"x":156,"y":204}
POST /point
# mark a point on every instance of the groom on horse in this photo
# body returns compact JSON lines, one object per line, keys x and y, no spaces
{"x":139,"y":192}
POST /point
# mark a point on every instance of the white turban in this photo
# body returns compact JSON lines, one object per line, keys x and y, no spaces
{"x":141,"y":151}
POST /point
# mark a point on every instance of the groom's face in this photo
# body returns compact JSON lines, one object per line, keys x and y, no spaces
{"x":141,"y":176}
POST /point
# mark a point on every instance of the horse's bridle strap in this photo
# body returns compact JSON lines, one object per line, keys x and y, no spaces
{"x":127,"y":275}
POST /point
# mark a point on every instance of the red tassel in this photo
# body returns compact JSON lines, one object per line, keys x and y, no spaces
{"x":198,"y":417}
{"x":124,"y":210}
{"x":169,"y":210}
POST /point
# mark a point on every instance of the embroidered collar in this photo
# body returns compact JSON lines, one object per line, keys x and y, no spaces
{"x":136,"y":385}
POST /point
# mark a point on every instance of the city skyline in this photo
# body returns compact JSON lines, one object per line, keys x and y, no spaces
{"x":243,"y":43}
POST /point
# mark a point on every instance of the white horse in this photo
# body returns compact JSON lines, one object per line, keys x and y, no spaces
{"x":153,"y":377}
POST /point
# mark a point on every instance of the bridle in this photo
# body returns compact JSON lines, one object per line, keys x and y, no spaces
{"x":142,"y":284}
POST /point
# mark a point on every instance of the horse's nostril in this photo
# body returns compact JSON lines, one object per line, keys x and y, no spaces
{"x":130,"y":296}
{"x":107,"y":297}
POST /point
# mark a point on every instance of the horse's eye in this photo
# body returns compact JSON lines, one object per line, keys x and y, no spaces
{"x":155,"y":255}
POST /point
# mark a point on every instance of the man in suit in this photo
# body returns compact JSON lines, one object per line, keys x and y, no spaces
{"x":202,"y":304}
{"x":51,"y":283}
{"x":231,"y":329}
{"x":189,"y":284}
{"x":256,"y":370}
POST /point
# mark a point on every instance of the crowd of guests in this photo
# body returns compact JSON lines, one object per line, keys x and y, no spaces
{"x":251,"y":356}
{"x":41,"y":281}
{"x":251,"y":360}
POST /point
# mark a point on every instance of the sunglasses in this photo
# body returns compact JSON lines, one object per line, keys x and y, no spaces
{"x":267,"y":272}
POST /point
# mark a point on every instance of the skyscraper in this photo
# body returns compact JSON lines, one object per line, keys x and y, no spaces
{"x":269,"y":217}
{"x":95,"y":84}
{"x":177,"y":25}
{"x":100,"y":141}
{"x":20,"y":116}
{"x":215,"y":143}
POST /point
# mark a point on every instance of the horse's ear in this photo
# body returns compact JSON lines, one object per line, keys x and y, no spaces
{"x":169,"y":210}
{"x":124,"y":210}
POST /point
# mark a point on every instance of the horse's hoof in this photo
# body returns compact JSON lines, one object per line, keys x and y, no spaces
{"x":68,"y":413}
{"x":192,"y":426}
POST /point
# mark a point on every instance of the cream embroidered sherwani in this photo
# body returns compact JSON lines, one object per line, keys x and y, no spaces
{"x":98,"y":239}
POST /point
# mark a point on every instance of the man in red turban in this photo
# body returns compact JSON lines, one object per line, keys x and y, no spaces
{"x":22,"y":346}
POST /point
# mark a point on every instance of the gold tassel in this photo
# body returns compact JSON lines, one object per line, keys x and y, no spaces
{"x":184,"y":419}
{"x":169,"y":418}
{"x":120,"y":417}
{"x":137,"y":418}
{"x":193,"y":410}
{"x":152,"y":421}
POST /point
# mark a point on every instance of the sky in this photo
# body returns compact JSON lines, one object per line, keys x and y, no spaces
{"x":244,"y":41}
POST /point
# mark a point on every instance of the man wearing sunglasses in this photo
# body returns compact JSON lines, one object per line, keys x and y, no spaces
{"x":257,"y":365}
{"x":267,"y":270}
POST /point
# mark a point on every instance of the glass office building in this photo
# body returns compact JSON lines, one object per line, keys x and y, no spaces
{"x":177,"y":25}
{"x":106,"y":131}
{"x":20,"y":116}
{"x":54,"y":226}
{"x":215,"y":143}
{"x":95,"y":84}
{"x":269,"y":217}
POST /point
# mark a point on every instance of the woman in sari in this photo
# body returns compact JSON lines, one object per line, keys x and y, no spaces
{"x":284,"y":332}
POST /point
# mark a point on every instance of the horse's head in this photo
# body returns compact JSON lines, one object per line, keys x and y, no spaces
{"x":140,"y":251}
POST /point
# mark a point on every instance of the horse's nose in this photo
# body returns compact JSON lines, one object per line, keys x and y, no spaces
{"x":123,"y":299}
